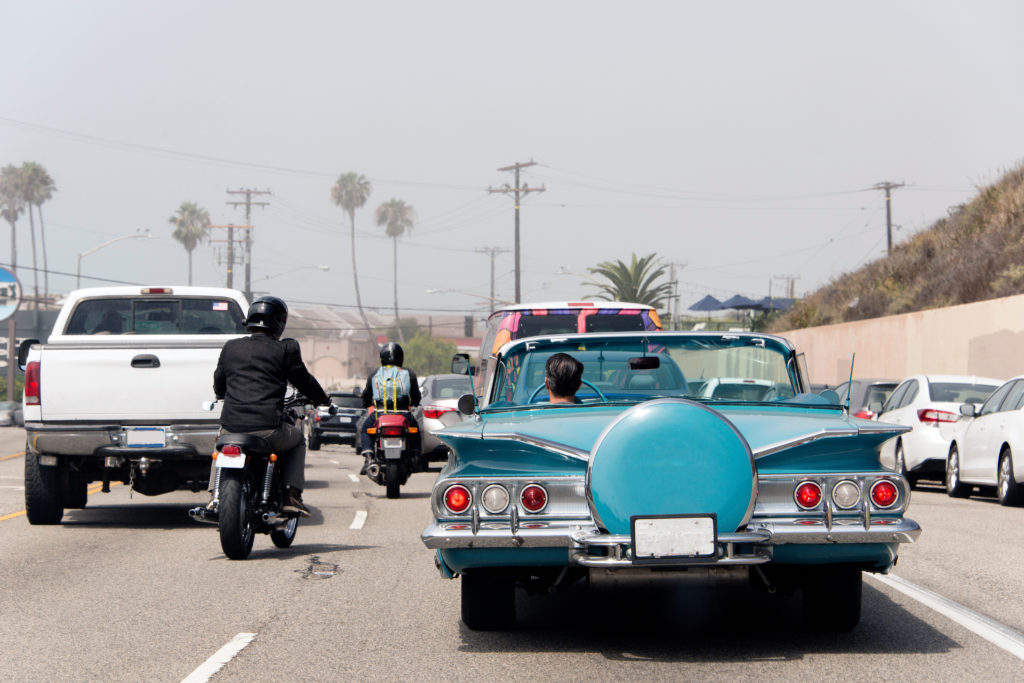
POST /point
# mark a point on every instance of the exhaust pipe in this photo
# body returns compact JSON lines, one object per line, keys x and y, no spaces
{"x":201,"y":514}
{"x":275,"y":519}
{"x":373,"y":471}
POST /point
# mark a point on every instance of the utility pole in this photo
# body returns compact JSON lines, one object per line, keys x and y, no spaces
{"x":516,"y":191}
{"x":888,"y":187}
{"x":248,"y":203}
{"x":492,"y":252}
{"x":231,"y":227}
{"x":673,"y":303}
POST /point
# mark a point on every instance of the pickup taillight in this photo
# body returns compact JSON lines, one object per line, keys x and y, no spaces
{"x":32,"y":384}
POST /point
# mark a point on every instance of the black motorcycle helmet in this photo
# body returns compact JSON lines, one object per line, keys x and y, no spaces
{"x":267,"y":313}
{"x":392,"y":354}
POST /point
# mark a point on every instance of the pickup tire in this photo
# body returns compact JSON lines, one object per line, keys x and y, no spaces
{"x":43,"y":504}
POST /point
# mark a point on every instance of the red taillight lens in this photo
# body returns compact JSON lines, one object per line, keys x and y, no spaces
{"x":534,"y":498}
{"x":884,"y":494}
{"x":864,"y":414}
{"x":316,"y":418}
{"x":457,"y":498}
{"x":435,"y":412}
{"x":231,"y":449}
{"x":808,"y":495}
{"x":934,"y":417}
{"x":392,"y":430}
{"x":32,"y":384}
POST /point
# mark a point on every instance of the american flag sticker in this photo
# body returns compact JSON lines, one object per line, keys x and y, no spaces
{"x":220,"y":305}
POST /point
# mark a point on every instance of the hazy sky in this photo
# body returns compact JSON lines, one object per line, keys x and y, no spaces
{"x":738,"y":138}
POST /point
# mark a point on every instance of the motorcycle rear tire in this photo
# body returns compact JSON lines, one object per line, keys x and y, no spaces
{"x":237,"y":530}
{"x":284,"y":536}
{"x":392,"y":477}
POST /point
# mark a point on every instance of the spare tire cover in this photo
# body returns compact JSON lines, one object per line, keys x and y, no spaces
{"x":671,"y":457}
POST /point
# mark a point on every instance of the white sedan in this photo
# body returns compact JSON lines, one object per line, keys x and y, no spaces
{"x":929,"y":404}
{"x":985,"y":444}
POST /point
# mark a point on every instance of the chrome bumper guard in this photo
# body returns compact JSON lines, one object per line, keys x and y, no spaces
{"x":589,"y":547}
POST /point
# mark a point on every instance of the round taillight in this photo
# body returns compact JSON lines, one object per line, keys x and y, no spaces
{"x":808,"y":495}
{"x":846,"y":494}
{"x":494,"y":498}
{"x":534,"y":498}
{"x":884,"y":494}
{"x":457,"y":498}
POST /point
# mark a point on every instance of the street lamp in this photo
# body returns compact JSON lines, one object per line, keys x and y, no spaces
{"x":136,"y":235}
{"x":293,"y":270}
{"x":479,"y":296}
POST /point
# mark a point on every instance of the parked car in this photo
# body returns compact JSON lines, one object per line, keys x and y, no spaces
{"x":439,"y":409}
{"x":988,"y":446}
{"x":864,"y":392}
{"x":7,"y":410}
{"x":621,"y":486}
{"x":340,"y":427}
{"x":929,"y":405}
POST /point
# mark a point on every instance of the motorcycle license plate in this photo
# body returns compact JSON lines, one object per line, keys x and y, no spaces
{"x":232,"y":462}
{"x":145,"y":437}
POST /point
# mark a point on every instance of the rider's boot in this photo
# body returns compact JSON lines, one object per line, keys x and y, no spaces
{"x":294,"y":503}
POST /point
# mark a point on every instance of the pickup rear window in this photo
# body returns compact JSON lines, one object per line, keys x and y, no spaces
{"x":157,"y":315}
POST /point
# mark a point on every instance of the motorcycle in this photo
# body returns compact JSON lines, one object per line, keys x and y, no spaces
{"x":248,"y":490}
{"x":392,"y":462}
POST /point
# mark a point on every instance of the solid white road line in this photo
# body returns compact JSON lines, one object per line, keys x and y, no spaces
{"x":335,"y":462}
{"x":219,"y":658}
{"x":359,"y":521}
{"x":354,"y":478}
{"x":989,"y":629}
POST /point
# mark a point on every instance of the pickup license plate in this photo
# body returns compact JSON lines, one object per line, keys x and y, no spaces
{"x":145,"y":437}
{"x":344,"y":420}
{"x":672,"y":537}
{"x":231,"y":462}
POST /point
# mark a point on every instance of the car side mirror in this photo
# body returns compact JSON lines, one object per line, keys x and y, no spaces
{"x":875,"y":407}
{"x":460,"y":364}
{"x":467,"y":404}
{"x":23,"y":350}
{"x":968,"y":409}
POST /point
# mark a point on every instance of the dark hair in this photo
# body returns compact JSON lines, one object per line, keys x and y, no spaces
{"x":565,"y":373}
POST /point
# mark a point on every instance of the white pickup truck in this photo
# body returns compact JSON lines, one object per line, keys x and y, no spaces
{"x":116,"y":394}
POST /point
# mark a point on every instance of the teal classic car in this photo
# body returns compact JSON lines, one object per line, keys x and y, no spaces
{"x":698,"y":454}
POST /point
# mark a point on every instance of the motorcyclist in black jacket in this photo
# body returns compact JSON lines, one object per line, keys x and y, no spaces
{"x":252,"y":377}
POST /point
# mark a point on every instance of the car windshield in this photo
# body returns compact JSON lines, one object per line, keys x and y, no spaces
{"x":726,"y":368}
{"x":960,"y":392}
{"x":452,"y":387}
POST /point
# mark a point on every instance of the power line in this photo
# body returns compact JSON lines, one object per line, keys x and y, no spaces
{"x":888,"y":187}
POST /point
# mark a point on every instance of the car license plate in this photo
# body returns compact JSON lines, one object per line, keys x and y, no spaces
{"x":665,"y":537}
{"x":344,"y":420}
{"x":231,"y":462}
{"x":145,"y":437}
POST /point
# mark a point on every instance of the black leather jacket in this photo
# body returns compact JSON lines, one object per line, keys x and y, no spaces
{"x":252,"y":376}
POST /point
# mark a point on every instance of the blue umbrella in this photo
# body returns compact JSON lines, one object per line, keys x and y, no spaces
{"x":739,"y":302}
{"x":708,"y":303}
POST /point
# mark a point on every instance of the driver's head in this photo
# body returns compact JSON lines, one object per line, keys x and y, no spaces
{"x":563,"y":375}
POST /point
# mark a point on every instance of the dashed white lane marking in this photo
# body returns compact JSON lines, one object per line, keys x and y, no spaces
{"x":989,"y":629}
{"x":359,"y":521}
{"x":354,"y":478}
{"x":221,"y":657}
{"x":335,"y":462}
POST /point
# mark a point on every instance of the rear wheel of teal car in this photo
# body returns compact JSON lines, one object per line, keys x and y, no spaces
{"x":488,"y":600}
{"x":832,"y":598}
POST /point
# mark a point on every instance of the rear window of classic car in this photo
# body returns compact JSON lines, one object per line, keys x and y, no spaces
{"x":730,"y":370}
{"x":126,"y":315}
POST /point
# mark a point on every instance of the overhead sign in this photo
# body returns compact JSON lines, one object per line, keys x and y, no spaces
{"x":10,"y":294}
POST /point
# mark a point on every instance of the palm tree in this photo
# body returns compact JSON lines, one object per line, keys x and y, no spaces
{"x":350,"y":192}
{"x":11,"y":205}
{"x":397,"y":218}
{"x":634,"y":282}
{"x":38,"y":188}
{"x":191,"y":224}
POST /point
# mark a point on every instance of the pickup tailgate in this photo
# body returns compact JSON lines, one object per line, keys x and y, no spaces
{"x":127,"y":381}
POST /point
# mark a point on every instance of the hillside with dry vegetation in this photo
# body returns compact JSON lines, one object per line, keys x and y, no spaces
{"x":975,"y":253}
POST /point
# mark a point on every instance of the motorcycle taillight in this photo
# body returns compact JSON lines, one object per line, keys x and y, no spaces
{"x":231,"y":449}
{"x":392,"y":430}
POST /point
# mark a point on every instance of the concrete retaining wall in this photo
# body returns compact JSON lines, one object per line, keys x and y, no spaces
{"x":984,"y":338}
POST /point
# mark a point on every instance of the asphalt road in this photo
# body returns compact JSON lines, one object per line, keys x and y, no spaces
{"x":131,"y":589}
